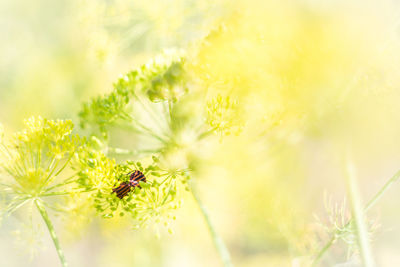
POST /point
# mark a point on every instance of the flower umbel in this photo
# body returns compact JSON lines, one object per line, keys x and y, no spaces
{"x":154,"y":109}
{"x":33,"y":161}
{"x":152,"y":105}
{"x":151,"y":201}
{"x":160,"y":80}
{"x":36,"y":156}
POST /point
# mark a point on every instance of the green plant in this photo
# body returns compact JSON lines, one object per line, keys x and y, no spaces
{"x":154,"y":107}
{"x":348,"y":226}
{"x":33,"y":162}
{"x":152,"y":104}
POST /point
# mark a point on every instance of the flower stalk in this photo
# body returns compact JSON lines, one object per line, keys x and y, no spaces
{"x":218,"y":242}
{"x":358,"y":215}
{"x":52,"y":232}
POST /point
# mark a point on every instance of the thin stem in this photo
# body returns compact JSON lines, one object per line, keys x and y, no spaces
{"x":65,"y":182}
{"x":14,"y":206}
{"x":53,"y":235}
{"x":5,"y":151}
{"x":218,"y":242}
{"x":369,"y":205}
{"x":149,"y":131}
{"x":51,"y":168}
{"x":380,"y":193}
{"x":206,"y":133}
{"x":122,"y":151}
{"x":358,"y":215}
{"x":153,"y":115}
{"x":165,"y":180}
{"x":167,"y":195}
{"x":65,"y":165}
{"x":170,"y":110}
{"x":6,"y":185}
{"x":63,"y":193}
{"x":323,"y":250}
{"x":166,"y":112}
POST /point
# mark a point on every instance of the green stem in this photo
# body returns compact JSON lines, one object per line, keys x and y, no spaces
{"x":12,"y":208}
{"x":323,"y":250}
{"x":206,"y":133}
{"x":69,"y":180}
{"x":149,"y":131}
{"x":380,"y":193}
{"x":218,"y":242}
{"x":170,"y":111}
{"x":6,"y":185}
{"x":65,"y":164}
{"x":52,"y":167}
{"x":169,"y":190}
{"x":64,"y":193}
{"x":153,"y":115}
{"x":53,"y":235}
{"x":358,"y":215}
{"x":122,"y":151}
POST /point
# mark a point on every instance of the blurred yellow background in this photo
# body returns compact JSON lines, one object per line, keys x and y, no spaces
{"x":313,"y":78}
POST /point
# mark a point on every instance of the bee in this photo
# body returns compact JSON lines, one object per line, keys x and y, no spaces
{"x":125,"y":187}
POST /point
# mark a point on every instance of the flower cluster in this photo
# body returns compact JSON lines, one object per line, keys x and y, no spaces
{"x":224,"y":115}
{"x":34,"y":161}
{"x":149,"y":104}
{"x":166,"y":79}
{"x":152,"y":200}
{"x":35,"y":156}
{"x":162,"y":79}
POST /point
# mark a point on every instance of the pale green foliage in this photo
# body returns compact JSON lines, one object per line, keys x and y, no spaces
{"x":224,"y":115}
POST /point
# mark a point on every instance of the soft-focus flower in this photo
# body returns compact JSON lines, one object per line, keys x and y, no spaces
{"x":224,"y":115}
{"x":34,"y":158}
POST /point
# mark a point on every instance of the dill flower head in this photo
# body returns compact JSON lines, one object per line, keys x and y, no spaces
{"x":162,"y":123}
{"x":161,"y":79}
{"x":35,"y":162}
{"x":150,"y":201}
{"x":34,"y":157}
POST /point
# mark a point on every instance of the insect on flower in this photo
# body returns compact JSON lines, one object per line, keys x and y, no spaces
{"x":125,"y":187}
